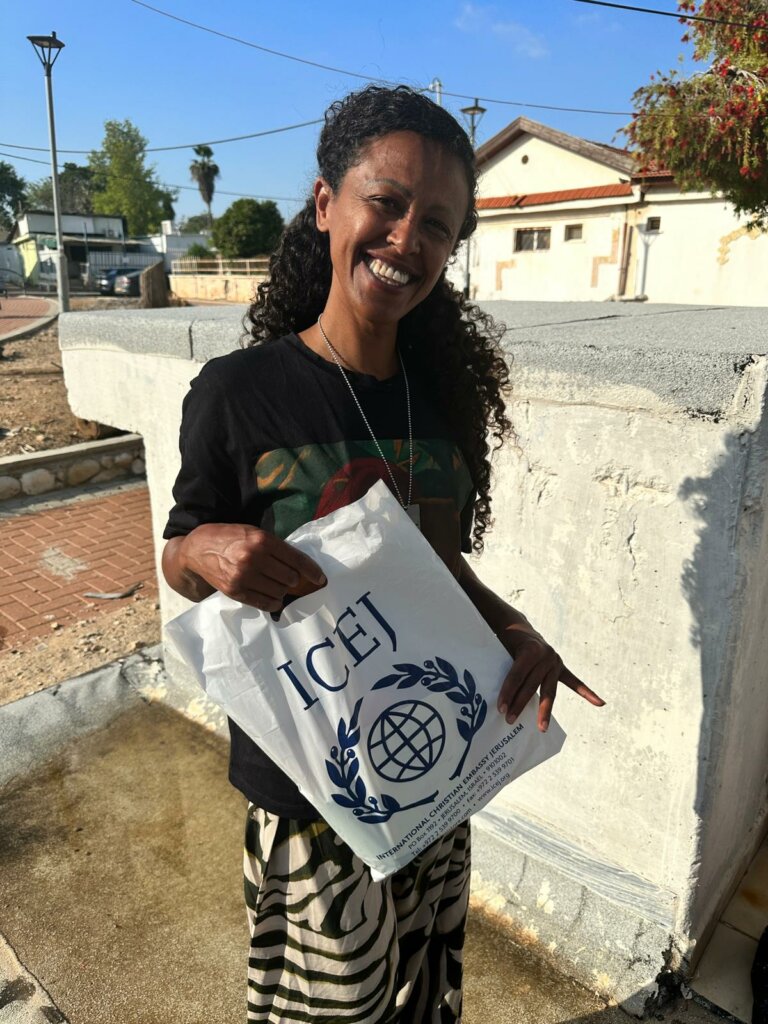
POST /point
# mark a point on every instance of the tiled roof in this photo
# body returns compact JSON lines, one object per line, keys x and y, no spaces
{"x":563,"y":196}
{"x":657,"y":174}
{"x":498,"y":202}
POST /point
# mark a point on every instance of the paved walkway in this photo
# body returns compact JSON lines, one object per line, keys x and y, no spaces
{"x":21,"y":312}
{"x":51,"y":557}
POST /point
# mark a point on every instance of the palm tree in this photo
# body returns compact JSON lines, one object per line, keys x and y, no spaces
{"x":204,"y":173}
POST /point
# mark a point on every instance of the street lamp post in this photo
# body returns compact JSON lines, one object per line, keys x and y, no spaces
{"x":48,"y":49}
{"x":474,"y":113}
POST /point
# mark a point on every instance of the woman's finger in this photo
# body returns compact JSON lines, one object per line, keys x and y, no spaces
{"x":574,"y":683}
{"x":547,"y":700}
{"x":258,"y":599}
{"x":297,"y":560}
{"x":523,"y":680}
{"x":543,"y":677}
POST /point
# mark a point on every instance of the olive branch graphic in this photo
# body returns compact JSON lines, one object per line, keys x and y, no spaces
{"x":439,"y":676}
{"x":343,"y":772}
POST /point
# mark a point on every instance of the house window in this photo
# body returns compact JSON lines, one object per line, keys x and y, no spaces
{"x":528,"y":239}
{"x":573,"y":232}
{"x":653,"y":224}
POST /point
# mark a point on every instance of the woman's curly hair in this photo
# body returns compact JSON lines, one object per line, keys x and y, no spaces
{"x":444,"y":337}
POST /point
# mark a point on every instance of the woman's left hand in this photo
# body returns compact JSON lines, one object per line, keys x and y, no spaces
{"x":537,"y":666}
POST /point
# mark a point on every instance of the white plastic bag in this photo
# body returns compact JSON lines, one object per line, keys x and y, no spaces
{"x":377,"y":694}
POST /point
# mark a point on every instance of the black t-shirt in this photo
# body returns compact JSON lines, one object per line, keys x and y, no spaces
{"x":271,"y":437}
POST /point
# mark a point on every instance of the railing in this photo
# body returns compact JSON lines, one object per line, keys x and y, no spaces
{"x":256,"y":266}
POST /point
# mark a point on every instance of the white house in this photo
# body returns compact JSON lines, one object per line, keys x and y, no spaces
{"x":565,"y":219}
{"x":172,"y":244}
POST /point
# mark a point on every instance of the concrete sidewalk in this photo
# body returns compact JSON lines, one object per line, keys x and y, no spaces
{"x":22,"y":313}
{"x":120,"y":874}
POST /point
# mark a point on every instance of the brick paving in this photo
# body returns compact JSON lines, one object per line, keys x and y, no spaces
{"x":19,"y":311}
{"x":49,"y":559}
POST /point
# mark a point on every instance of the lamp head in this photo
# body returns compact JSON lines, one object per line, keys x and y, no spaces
{"x":47,"y":49}
{"x":474,"y":110}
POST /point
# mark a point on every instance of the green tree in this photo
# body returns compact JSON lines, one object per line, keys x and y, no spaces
{"x":12,"y":194}
{"x":76,"y":191}
{"x":195,"y":225}
{"x":125,"y":185}
{"x":711,"y":130}
{"x":200,"y":252}
{"x":204,"y":173}
{"x":250,"y":227}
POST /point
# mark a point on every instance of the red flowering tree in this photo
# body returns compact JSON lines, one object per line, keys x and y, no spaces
{"x":711,"y":130}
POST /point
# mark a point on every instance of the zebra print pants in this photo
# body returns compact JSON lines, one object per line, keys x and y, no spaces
{"x":328,"y":944}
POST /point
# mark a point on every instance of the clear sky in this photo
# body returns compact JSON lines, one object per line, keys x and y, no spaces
{"x":183,"y":86}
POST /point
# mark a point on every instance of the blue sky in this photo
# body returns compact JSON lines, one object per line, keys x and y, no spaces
{"x":180,"y":85}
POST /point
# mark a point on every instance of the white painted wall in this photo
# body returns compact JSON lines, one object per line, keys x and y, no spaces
{"x":704,"y":253}
{"x":568,"y":271}
{"x":548,"y":168}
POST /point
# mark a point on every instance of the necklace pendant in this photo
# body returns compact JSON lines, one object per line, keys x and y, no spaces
{"x":414,"y":514}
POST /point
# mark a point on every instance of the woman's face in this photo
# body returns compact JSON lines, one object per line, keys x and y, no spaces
{"x":393,"y":223}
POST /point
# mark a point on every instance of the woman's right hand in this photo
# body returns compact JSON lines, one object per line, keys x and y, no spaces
{"x":245,"y":563}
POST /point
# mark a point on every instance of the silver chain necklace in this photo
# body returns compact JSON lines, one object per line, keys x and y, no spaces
{"x":337,"y":360}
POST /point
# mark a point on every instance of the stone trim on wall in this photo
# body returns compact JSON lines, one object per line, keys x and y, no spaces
{"x":93,"y":462}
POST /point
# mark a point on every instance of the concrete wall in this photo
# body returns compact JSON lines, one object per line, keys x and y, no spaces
{"x":214,"y":287}
{"x":631,"y":528}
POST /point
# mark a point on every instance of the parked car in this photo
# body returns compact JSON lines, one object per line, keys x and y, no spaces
{"x":128,"y":283}
{"x":105,"y":281}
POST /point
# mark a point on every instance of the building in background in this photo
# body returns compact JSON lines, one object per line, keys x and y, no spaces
{"x":565,"y":219}
{"x":172,"y":244}
{"x":11,"y":266}
{"x":92,"y":243}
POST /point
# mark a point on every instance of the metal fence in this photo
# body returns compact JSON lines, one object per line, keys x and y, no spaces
{"x":257,"y":266}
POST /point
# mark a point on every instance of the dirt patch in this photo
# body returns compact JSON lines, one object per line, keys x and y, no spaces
{"x":34,"y":409}
{"x":77,"y":648}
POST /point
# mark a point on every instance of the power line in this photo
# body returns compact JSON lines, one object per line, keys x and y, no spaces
{"x":538,"y":106}
{"x":168,"y":185}
{"x":669,"y":14}
{"x":368,"y":78}
{"x":186,"y":145}
{"x":255,"y":46}
{"x":29,"y":159}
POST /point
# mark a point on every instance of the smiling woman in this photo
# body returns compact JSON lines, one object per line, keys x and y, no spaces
{"x":364,"y":365}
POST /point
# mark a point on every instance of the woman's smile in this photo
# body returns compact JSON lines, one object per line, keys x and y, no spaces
{"x":388,"y":273}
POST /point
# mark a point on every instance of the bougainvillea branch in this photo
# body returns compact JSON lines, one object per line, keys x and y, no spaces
{"x":711,"y":130}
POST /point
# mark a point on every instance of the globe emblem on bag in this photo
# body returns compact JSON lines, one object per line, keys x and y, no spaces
{"x":406,"y":741}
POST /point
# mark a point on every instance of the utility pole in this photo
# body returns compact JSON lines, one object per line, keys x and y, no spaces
{"x":48,"y":49}
{"x":474,"y":113}
{"x":436,"y":86}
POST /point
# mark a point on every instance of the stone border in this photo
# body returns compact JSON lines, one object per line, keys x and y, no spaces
{"x":93,"y":462}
